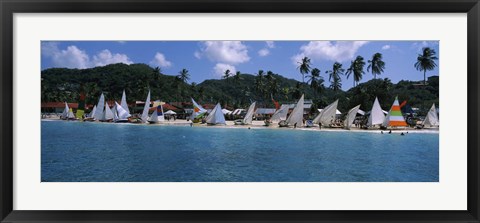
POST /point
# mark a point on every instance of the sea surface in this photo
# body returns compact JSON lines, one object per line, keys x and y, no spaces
{"x":106,"y":152}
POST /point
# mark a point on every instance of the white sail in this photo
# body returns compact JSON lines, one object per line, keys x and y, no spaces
{"x":65,"y":111}
{"x":145,"y":108}
{"x":280,"y":114}
{"x":100,"y":106}
{"x":115,"y":113}
{"x":154,"y":117}
{"x":376,"y":114}
{"x":216,"y":116}
{"x":124,"y":104}
{"x":297,"y":114}
{"x":327,"y":115}
{"x":70,"y":114}
{"x":432,"y":117}
{"x":352,"y":113}
{"x":249,"y":116}
{"x":108,"y":112}
{"x":92,"y":113}
{"x":122,"y":112}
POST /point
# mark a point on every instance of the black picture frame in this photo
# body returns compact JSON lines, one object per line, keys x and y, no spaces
{"x":9,"y":7}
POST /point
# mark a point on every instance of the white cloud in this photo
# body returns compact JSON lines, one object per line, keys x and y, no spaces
{"x":263,"y":52}
{"x":105,"y":57}
{"x":198,"y":55}
{"x":231,"y":52}
{"x":327,"y":50}
{"x":420,"y":45}
{"x":220,"y":68}
{"x":160,"y":60}
{"x":73,"y":57}
{"x":270,"y":44}
{"x":386,"y":47}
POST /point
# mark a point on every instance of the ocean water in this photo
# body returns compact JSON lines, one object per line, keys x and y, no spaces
{"x":105,"y":152}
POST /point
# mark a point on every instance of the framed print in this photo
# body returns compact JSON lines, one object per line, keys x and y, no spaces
{"x":239,"y":111}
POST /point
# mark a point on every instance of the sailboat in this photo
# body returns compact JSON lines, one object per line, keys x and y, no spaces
{"x":216,"y":116}
{"x":71,"y":116}
{"x":247,"y":120}
{"x":146,"y":107}
{"x":296,"y":117}
{"x":327,"y":115}
{"x":154,"y":117}
{"x":124,"y":104}
{"x":376,"y":114}
{"x":100,"y":107}
{"x":91,"y":117}
{"x":279,"y":115}
{"x":64,"y":114}
{"x":352,"y":113}
{"x":395,"y":117}
{"x":122,"y":114}
{"x":107,"y":115}
{"x":432,"y":118}
{"x":198,"y":112}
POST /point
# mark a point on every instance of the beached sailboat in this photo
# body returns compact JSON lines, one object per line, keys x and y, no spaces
{"x":279,"y":115}
{"x":432,"y":118}
{"x":70,"y":115}
{"x":296,"y":117}
{"x":247,"y":120}
{"x":146,"y":107}
{"x":376,"y":114}
{"x":352,"y":113}
{"x":121,"y":114}
{"x":153,"y":119}
{"x":100,"y":107}
{"x":327,"y":115}
{"x":198,"y":112}
{"x":216,"y":116}
{"x":64,"y":114}
{"x":395,"y":117}
{"x":91,"y":116}
{"x":124,"y":104}
{"x":107,"y":115}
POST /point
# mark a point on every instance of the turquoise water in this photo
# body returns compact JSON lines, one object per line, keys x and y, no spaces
{"x":100,"y":152}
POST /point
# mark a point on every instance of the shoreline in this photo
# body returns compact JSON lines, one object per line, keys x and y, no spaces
{"x":260,"y":125}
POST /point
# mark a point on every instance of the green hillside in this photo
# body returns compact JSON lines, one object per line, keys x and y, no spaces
{"x":61,"y":84}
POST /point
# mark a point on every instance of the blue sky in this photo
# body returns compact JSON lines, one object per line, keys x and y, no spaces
{"x":208,"y":59}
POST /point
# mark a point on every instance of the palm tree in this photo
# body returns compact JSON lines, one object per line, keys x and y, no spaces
{"x":259,"y":83}
{"x":336,"y":84}
{"x":315,"y":80}
{"x":271,"y":83}
{"x":226,"y":74}
{"x":304,"y":67}
{"x":336,"y":71}
{"x":356,"y":68}
{"x":426,"y":61}
{"x":236,"y":77}
{"x":183,"y":75}
{"x":376,"y":64}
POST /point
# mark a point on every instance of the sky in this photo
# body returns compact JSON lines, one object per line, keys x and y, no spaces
{"x":209,"y":59}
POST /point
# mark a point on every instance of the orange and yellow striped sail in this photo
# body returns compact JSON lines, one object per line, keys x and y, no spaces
{"x":395,"y":117}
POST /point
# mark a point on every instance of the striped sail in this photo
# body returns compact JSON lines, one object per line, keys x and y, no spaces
{"x":395,"y":117}
{"x":198,"y":110}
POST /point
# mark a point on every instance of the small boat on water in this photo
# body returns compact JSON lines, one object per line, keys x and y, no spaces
{"x":64,"y":114}
{"x":296,"y":117}
{"x":247,"y":120}
{"x":91,"y":117}
{"x":216,"y":116}
{"x":121,"y":114}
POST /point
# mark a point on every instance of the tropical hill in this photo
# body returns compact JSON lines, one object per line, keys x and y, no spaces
{"x":238,"y":90}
